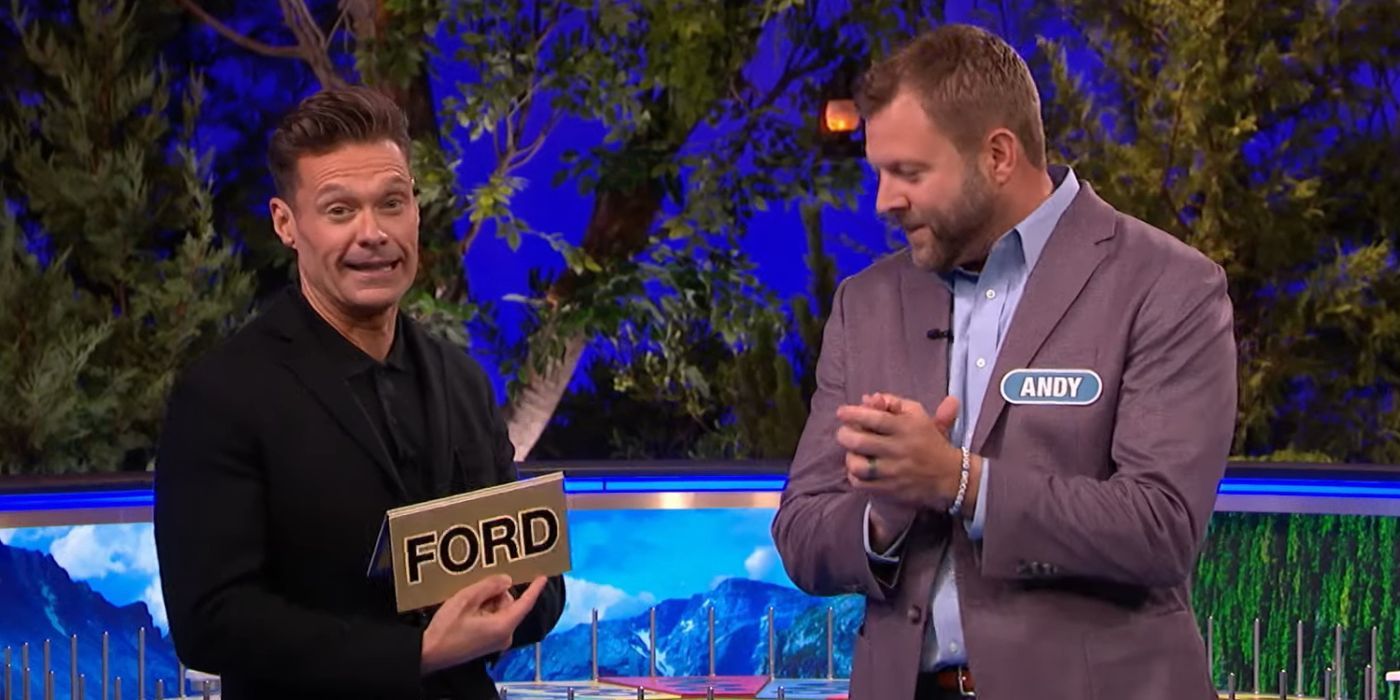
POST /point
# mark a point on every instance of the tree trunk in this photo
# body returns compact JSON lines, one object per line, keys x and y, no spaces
{"x":617,"y":230}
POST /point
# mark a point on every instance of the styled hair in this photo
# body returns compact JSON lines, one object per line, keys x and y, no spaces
{"x":330,"y":119}
{"x":968,"y":80}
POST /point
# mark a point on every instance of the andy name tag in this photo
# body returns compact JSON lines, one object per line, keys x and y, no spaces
{"x":1053,"y":387}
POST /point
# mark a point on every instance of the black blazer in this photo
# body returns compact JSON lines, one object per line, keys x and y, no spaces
{"x":270,"y":489}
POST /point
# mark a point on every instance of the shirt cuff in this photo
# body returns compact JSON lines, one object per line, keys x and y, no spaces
{"x":889,"y":556}
{"x":979,"y":514}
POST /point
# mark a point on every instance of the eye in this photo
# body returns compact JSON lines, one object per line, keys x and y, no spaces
{"x":394,"y":203}
{"x":910,"y":176}
{"x":338,"y":211}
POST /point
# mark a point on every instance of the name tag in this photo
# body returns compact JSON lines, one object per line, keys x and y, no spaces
{"x":1053,"y":387}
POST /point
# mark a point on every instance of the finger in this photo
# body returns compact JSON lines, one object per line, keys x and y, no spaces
{"x":478,"y":594}
{"x":901,"y":406}
{"x":871,"y":419}
{"x":861,"y":442}
{"x":518,"y":609}
{"x":857,"y":466}
{"x":499,"y":602}
{"x":946,"y":414}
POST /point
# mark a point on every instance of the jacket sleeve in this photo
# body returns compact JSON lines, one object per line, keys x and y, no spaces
{"x":820,"y":526}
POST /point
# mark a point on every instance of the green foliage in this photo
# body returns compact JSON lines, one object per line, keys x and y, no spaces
{"x":1322,"y":570}
{"x":1262,"y":133}
{"x":138,"y":281}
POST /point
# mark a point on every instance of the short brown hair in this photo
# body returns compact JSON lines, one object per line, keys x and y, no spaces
{"x":969,"y":82}
{"x":329,"y":119}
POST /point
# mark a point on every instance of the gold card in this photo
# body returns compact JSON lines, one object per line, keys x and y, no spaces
{"x":439,"y":547}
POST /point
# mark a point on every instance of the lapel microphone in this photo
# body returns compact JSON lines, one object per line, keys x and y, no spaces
{"x":940,"y":334}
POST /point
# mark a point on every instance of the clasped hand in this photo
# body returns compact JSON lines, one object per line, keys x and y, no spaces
{"x":898,"y":453}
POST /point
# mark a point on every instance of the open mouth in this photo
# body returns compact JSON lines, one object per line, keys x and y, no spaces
{"x":374,"y":265}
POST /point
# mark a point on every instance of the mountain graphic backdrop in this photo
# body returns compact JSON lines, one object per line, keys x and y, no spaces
{"x":682,"y":628}
{"x":42,"y":602}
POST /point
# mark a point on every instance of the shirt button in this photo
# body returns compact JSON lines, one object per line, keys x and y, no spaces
{"x":953,"y":647}
{"x":981,"y":362}
{"x":991,"y":293}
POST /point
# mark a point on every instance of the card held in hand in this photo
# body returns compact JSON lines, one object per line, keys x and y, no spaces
{"x":436,"y":548}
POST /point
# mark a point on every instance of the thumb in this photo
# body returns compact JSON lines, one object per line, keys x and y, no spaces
{"x":522,"y":605}
{"x":946,"y":414}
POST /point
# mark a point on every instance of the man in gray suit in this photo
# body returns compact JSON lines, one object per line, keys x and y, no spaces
{"x":1021,"y":420}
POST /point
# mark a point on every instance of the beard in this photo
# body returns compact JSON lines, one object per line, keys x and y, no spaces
{"x":945,"y":238}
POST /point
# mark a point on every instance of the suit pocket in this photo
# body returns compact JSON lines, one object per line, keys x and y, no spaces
{"x":1158,"y":657}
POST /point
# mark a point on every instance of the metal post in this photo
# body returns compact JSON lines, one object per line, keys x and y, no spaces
{"x":73,"y":667}
{"x":830,"y":643}
{"x":1210,"y":648}
{"x":651,"y":655}
{"x":1230,"y":686}
{"x":539,"y":661}
{"x":1283,"y":685}
{"x":9,"y":695}
{"x":106,"y":646}
{"x":595,"y":644}
{"x":1337,"y":665}
{"x":48,"y":669}
{"x":1298,"y":684}
{"x":117,"y":688}
{"x":1327,"y":683}
{"x":207,"y":694}
{"x":1375,"y":663}
{"x":712,"y":640}
{"x":24,"y":669}
{"x":160,"y":689}
{"x":772,"y":646}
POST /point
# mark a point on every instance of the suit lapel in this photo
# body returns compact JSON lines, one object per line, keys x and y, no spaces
{"x":433,"y":377}
{"x":1065,"y":266}
{"x":927,"y":306}
{"x":305,"y":358}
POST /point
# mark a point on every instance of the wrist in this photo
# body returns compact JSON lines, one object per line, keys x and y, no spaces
{"x":961,"y":480}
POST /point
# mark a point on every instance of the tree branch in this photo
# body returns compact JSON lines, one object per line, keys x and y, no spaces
{"x":233,"y":35}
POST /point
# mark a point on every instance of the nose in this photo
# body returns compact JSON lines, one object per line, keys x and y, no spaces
{"x":889,"y":197}
{"x":369,"y":232}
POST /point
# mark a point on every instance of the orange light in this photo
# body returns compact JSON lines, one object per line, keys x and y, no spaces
{"x":840,"y":116}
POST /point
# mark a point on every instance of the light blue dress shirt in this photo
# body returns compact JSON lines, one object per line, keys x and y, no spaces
{"x":983,"y":304}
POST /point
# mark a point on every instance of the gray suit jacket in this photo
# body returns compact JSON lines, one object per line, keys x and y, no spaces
{"x":1095,"y":515}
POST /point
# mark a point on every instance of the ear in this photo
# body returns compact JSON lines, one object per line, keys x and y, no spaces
{"x":1003,"y":154}
{"x":283,"y":222}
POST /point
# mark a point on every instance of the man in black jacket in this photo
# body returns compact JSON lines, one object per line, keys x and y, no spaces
{"x":283,"y":448}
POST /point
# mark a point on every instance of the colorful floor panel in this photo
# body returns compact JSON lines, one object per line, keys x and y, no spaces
{"x":583,"y":690}
{"x":806,"y":689}
{"x":669,"y":688}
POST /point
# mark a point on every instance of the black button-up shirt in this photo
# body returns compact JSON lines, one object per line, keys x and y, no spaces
{"x":391,"y":395}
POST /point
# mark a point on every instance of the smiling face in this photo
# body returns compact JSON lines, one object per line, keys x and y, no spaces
{"x":353,"y":221}
{"x":940,"y":198}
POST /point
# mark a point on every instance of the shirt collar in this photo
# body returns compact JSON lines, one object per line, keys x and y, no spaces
{"x":344,"y":357}
{"x":1026,"y":240}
